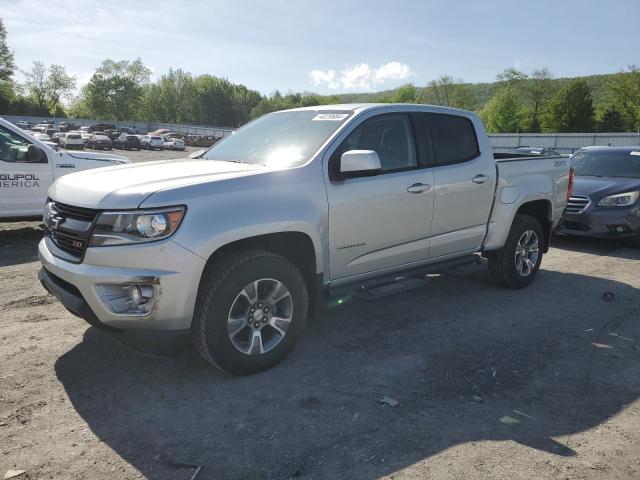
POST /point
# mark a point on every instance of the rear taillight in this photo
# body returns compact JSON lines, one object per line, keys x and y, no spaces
{"x":571,"y":177}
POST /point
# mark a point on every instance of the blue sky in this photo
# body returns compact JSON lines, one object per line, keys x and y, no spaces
{"x":329,"y":46}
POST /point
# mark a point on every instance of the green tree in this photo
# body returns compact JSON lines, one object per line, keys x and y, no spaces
{"x":611,"y":120}
{"x":512,"y":76}
{"x":116,"y":89}
{"x":172,"y":99}
{"x":7,"y":96}
{"x":7,"y":65}
{"x":502,"y":113}
{"x":623,"y":92}
{"x":538,"y":90}
{"x":571,"y":110}
{"x":47,"y":86}
{"x":404,"y":94}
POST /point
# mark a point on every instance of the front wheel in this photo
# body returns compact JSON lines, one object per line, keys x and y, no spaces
{"x":516,"y":264}
{"x":251,"y":309}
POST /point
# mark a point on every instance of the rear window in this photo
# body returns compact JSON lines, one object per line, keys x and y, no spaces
{"x":156,"y":138}
{"x":454,"y":138}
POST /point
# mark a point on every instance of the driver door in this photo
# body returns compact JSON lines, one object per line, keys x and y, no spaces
{"x":382,"y":221}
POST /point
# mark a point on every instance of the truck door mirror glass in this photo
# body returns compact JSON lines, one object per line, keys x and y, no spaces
{"x":359,"y":163}
{"x":35,"y":155}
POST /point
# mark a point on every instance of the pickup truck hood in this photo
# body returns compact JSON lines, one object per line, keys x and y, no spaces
{"x":127,"y":186}
{"x":599,"y":187}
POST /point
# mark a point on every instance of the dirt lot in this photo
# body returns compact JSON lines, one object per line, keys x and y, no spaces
{"x":539,"y":383}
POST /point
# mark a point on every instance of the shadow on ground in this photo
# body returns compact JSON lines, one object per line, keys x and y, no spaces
{"x":19,"y":242}
{"x":540,"y":362}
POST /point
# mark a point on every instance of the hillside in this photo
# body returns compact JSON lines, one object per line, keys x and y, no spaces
{"x":482,"y":92}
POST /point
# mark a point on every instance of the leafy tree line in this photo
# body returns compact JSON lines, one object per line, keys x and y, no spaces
{"x":123,"y":90}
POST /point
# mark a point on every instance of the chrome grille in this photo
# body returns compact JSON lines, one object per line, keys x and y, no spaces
{"x":577,"y":203}
{"x":69,"y":227}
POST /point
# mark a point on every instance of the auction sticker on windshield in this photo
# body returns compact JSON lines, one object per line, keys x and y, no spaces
{"x":336,"y":117}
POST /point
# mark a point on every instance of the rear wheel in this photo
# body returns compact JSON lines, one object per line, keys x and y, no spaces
{"x":516,"y":264}
{"x":251,"y":309}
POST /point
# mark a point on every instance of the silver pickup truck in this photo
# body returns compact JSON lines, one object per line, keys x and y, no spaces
{"x":235,"y":249}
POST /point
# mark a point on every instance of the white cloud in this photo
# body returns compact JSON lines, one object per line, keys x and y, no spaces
{"x":328,"y":77}
{"x":361,"y":76}
{"x":392,"y":71}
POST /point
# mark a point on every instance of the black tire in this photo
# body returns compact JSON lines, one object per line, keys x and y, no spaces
{"x":502,"y":263}
{"x":221,"y":282}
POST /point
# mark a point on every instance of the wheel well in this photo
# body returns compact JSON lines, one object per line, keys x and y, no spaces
{"x":294,"y":246}
{"x":541,"y":211}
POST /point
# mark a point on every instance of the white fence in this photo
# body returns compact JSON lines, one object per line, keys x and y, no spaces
{"x":561,"y":142}
{"x":142,"y":127}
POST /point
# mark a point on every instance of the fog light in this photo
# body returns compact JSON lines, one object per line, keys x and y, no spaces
{"x":128,"y":299}
{"x":620,"y":229}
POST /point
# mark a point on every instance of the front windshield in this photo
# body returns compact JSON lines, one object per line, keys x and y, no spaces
{"x":281,"y":139}
{"x":607,"y":163}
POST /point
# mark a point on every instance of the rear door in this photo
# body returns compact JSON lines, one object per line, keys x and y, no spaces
{"x":23,"y":184}
{"x":382,"y":221}
{"x":465,"y":180}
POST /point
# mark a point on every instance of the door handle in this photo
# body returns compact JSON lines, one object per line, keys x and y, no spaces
{"x":479,"y":179}
{"x":418,"y":188}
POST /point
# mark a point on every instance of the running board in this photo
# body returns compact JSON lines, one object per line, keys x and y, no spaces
{"x":406,"y":280}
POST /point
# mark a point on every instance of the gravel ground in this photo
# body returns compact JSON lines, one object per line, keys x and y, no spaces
{"x":537,"y":383}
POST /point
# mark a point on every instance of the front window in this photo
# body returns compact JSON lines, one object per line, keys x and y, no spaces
{"x":13,"y":148}
{"x":281,"y":139}
{"x":607,"y":163}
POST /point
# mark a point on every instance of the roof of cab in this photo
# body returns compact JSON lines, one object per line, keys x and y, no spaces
{"x":359,"y":107}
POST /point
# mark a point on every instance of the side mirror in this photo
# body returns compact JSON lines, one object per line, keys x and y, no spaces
{"x":35,"y":154}
{"x":197,"y":154}
{"x":359,"y":163}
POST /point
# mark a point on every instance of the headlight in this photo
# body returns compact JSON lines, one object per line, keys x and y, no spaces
{"x":122,"y":228}
{"x":619,"y":200}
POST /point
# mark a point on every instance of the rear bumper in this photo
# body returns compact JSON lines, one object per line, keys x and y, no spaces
{"x":602,"y":222}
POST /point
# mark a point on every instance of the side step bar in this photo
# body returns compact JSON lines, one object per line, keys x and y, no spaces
{"x":399,"y":281}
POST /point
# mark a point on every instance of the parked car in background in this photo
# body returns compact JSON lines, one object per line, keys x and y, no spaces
{"x":174,"y":144}
{"x":42,"y":127}
{"x":85,"y":136}
{"x":151,"y":142}
{"x":51,"y":131}
{"x":111,"y":133}
{"x":84,"y":129}
{"x":348,"y":194}
{"x":55,"y":138}
{"x":43,"y":137}
{"x":606,"y":195}
{"x":534,"y":151}
{"x":99,"y":142}
{"x":132,"y":130}
{"x":127,"y":142}
{"x":101,"y":127}
{"x":23,"y":124}
{"x":68,"y":126}
{"x":71,"y":140}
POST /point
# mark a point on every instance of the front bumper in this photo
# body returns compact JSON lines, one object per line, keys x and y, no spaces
{"x":174,"y":271}
{"x":602,"y":222}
